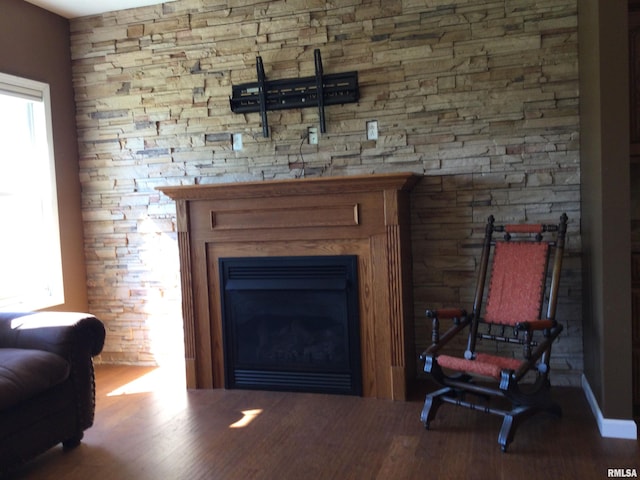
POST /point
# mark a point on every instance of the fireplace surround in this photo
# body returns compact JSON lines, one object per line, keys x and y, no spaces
{"x":363,"y":216}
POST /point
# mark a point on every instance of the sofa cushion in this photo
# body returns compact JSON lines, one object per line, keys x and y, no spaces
{"x":25,"y":373}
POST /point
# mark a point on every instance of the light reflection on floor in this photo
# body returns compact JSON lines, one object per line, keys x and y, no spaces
{"x":160,"y":379}
{"x":248,"y":416}
{"x":165,"y":386}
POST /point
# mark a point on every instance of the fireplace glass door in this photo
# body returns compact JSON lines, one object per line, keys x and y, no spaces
{"x":291,"y":323}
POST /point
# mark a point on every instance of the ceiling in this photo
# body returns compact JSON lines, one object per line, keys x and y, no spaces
{"x":81,"y":8}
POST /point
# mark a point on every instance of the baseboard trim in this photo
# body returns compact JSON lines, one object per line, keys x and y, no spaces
{"x":609,"y":427}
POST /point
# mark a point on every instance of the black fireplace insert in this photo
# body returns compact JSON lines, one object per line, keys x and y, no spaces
{"x":291,"y":323}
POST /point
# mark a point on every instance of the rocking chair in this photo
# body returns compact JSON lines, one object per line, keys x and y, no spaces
{"x":517,"y":291}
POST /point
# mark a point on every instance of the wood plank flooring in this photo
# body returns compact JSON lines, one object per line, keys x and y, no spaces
{"x":148,"y":426}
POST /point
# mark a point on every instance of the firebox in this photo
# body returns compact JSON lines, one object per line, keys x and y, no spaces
{"x":291,"y":323}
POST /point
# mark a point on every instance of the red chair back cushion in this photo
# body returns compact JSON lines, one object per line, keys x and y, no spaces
{"x":517,"y":282}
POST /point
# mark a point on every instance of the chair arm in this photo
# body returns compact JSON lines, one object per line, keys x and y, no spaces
{"x":460,"y":321}
{"x":75,"y":336}
{"x":541,"y":349}
{"x":446,"y":313}
{"x":63,"y":333}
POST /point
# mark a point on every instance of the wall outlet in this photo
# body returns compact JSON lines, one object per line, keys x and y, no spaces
{"x":237,"y":141}
{"x":312,"y":135}
{"x":372,"y":130}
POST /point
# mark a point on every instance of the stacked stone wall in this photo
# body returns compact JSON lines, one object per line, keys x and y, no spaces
{"x":479,"y":96}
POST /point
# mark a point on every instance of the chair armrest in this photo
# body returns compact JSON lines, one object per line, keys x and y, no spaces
{"x":444,"y":313}
{"x":63,"y":333}
{"x":460,"y":321}
{"x":75,"y":336}
{"x":537,"y":353}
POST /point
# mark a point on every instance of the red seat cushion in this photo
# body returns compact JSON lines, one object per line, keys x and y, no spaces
{"x":484,"y":364}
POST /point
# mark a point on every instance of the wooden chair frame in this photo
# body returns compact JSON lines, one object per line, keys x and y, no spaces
{"x":536,"y":338}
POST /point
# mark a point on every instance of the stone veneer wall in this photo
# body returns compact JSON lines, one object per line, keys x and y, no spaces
{"x":480,"y":96}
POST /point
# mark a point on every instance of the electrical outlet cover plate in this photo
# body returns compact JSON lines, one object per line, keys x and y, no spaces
{"x":313,"y":135}
{"x":237,"y":141}
{"x":372,"y":130}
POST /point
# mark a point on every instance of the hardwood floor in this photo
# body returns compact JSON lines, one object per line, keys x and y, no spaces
{"x":148,"y":426}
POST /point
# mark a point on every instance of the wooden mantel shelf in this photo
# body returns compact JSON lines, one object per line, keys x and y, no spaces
{"x":302,"y":186}
{"x":367,"y":216}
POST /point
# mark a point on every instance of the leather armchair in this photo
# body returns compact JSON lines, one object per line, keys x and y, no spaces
{"x":47,"y":383}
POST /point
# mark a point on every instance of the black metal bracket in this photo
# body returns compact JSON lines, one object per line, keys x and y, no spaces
{"x":320,"y":90}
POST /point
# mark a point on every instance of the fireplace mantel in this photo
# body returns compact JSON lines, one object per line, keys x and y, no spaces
{"x":367,"y":216}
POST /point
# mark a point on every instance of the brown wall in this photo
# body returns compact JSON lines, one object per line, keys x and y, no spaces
{"x":38,"y":48}
{"x":605,"y":204}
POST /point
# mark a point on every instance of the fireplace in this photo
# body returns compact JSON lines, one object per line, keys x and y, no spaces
{"x":291,"y":323}
{"x":364,"y":216}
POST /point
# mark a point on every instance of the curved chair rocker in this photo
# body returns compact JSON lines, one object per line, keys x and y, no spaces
{"x":517,"y":292}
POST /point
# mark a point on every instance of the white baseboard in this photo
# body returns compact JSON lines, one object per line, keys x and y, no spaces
{"x":609,"y":427}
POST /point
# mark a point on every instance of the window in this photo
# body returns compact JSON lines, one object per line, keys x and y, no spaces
{"x":30,"y":259}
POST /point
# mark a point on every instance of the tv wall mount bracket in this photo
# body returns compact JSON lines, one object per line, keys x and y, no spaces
{"x":319,"y":91}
